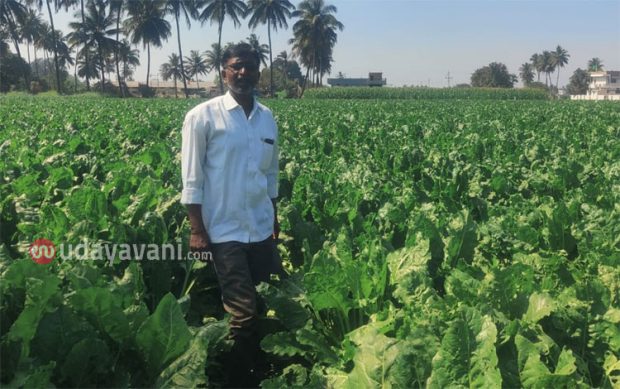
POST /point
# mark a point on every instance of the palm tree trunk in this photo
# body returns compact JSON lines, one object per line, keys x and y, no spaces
{"x":118,"y":71}
{"x":49,"y":11}
{"x":13,"y":30}
{"x":75,"y":77}
{"x":270,"y":60}
{"x":176,"y":95}
{"x":176,"y":18}
{"x":219,"y":42}
{"x":86,"y":59}
{"x":148,"y":62}
{"x":36,"y":65}
{"x":101,"y":60}
{"x":303,"y":87}
{"x":557,"y":81}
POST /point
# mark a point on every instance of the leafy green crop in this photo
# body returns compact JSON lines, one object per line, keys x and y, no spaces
{"x":422,"y":93}
{"x":429,"y":244}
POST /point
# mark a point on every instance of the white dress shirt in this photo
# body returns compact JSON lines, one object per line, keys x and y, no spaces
{"x":229,"y":165}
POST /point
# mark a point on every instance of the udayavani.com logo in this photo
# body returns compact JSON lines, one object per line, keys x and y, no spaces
{"x":43,"y":252}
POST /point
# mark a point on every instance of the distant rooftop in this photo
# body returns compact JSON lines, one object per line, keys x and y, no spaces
{"x":374,"y":79}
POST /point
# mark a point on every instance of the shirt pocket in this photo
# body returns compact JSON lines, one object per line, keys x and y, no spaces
{"x":217,"y":149}
{"x":266,"y":150}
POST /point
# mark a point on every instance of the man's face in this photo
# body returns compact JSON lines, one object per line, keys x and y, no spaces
{"x":241,"y":74}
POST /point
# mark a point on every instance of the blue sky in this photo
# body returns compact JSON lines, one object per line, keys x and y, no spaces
{"x":419,"y":42}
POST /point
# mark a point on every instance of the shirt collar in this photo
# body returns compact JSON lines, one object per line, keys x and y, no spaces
{"x":230,"y":103}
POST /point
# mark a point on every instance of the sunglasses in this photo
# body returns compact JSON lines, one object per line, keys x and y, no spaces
{"x":237,"y":66}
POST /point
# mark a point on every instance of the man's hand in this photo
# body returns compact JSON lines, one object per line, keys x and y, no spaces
{"x":199,"y":241}
{"x":276,"y":229}
{"x":276,"y":225}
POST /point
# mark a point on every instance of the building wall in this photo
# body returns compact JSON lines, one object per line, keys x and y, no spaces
{"x":595,"y":97}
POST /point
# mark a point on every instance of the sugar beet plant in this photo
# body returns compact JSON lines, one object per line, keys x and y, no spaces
{"x":429,"y":244}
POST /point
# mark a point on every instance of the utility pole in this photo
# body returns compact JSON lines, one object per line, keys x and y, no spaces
{"x":448,"y":78}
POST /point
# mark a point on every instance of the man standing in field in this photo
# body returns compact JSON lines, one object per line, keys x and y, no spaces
{"x":229,"y":170}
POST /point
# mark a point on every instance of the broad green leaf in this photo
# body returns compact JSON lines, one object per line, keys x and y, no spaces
{"x":467,"y":355}
{"x":541,"y":305}
{"x":163,"y":336}
{"x":87,"y":359}
{"x":103,"y":310}
{"x":188,"y":370}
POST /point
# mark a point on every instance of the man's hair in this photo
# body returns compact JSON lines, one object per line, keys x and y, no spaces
{"x":240,"y":50}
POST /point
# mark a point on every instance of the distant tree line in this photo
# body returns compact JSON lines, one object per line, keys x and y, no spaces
{"x":496,"y":74}
{"x":105,"y":32}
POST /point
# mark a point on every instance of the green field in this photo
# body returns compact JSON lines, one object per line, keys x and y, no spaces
{"x":430,"y":243}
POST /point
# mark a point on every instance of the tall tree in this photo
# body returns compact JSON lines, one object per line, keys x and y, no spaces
{"x":185,"y":8}
{"x":314,"y":36}
{"x":195,"y":64}
{"x":213,"y":57}
{"x":116,"y":8}
{"x":172,"y":69}
{"x":283,"y":56}
{"x":578,"y":82}
{"x":526,"y":73}
{"x":30,"y":28}
{"x":48,"y":4}
{"x":595,"y":65}
{"x":4,"y":46}
{"x":97,"y":28}
{"x":548,"y":65}
{"x":12,"y":14}
{"x":537,"y":64}
{"x":560,"y":58}
{"x":216,"y":11}
{"x":494,"y":75}
{"x":130,"y":58}
{"x":273,"y":13}
{"x":261,"y":49}
{"x":146,"y":24}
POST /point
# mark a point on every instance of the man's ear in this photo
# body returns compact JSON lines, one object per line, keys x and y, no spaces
{"x":223,"y":74}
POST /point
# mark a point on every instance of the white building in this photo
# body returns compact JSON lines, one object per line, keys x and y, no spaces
{"x":604,"y":85}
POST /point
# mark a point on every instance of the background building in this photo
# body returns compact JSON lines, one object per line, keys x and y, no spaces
{"x":604,"y":85}
{"x":374,"y":79}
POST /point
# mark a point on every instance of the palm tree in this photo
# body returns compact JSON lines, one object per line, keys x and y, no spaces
{"x":560,"y":57}
{"x":283,"y":56}
{"x":274,"y":13}
{"x":595,"y":65}
{"x":314,"y":36}
{"x":57,"y":4}
{"x":261,"y":49}
{"x":526,"y":73}
{"x":548,"y":65}
{"x":30,"y":28}
{"x":95,"y":29}
{"x":116,"y":7}
{"x":213,"y":57}
{"x":172,"y":69}
{"x":195,"y":65}
{"x":129,"y":58}
{"x":12,"y":14}
{"x":176,"y":8}
{"x":4,"y":46}
{"x":146,"y":24}
{"x":215,"y":11}
{"x":537,"y":64}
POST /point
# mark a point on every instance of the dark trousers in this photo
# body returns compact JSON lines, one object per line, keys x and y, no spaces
{"x":239,"y":268}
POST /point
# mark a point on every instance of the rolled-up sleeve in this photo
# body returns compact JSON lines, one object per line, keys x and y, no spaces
{"x":272,"y":172}
{"x":193,"y":154}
